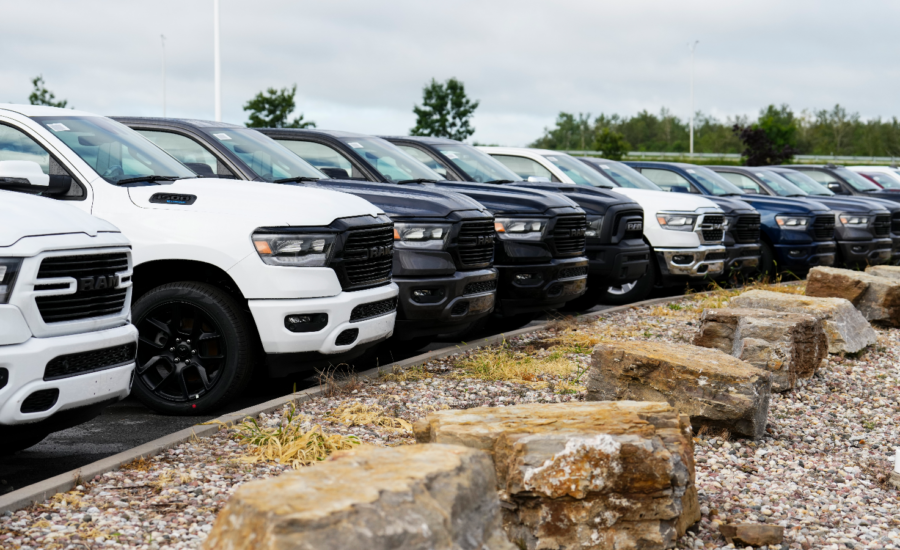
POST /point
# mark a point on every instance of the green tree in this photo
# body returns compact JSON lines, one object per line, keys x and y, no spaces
{"x":571,"y":133}
{"x":42,"y":96}
{"x":445,"y":111}
{"x":273,"y":108}
{"x":779,"y":125}
{"x":612,"y":144}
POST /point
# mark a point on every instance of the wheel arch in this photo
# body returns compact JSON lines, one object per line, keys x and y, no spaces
{"x":150,"y":275}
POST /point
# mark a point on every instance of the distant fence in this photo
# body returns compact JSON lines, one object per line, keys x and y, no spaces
{"x":734,"y":158}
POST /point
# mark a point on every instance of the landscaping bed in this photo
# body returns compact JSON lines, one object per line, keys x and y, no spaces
{"x":820,"y":471}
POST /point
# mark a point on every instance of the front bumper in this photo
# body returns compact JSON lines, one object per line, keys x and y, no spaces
{"x":614,"y":265}
{"x":741,"y":259}
{"x":874,"y":252}
{"x":269,"y":316}
{"x":536,"y":287}
{"x":800,"y":258}
{"x":678,"y":264}
{"x":26,"y":362}
{"x":458,"y":301}
{"x":895,"y":249}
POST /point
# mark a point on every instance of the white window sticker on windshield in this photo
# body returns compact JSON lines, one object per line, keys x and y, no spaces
{"x":452,"y":156}
{"x":355,"y":145}
{"x":551,"y":159}
{"x":58,"y":127}
{"x":223,"y":137}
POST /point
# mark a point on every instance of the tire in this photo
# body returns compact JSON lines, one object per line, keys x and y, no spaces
{"x":16,"y":445}
{"x":766,"y":260}
{"x":177,"y":376}
{"x":635,"y":292}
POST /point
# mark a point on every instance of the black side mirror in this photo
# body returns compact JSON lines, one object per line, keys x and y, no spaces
{"x":334,"y":173}
{"x":679,"y":189}
{"x":835,"y":187}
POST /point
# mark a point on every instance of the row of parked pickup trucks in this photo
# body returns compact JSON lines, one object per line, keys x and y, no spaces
{"x":174,"y":258}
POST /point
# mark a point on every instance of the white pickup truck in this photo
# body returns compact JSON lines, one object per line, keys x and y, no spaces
{"x":67,"y":347}
{"x":228,"y":275}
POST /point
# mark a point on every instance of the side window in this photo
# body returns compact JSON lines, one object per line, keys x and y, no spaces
{"x":668,"y":180}
{"x":424,"y":158}
{"x":525,"y":167}
{"x":189,"y":152}
{"x":822,"y":177}
{"x":332,"y":163}
{"x":16,"y":145}
{"x":743,"y":182}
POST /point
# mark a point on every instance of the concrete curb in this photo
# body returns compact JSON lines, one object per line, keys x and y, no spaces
{"x":38,"y":492}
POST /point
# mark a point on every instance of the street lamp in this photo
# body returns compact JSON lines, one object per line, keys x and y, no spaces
{"x":162,"y":37}
{"x":692,"y":47}
{"x":217,"y":61}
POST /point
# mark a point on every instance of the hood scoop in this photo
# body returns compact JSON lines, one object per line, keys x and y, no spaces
{"x":172,"y":198}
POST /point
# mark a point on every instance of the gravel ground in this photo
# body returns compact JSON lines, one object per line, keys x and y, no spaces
{"x":820,"y":472}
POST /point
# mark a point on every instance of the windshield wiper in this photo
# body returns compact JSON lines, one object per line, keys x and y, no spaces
{"x":298,"y":179}
{"x":798,"y":195}
{"x":417,"y":180}
{"x":499,"y":181}
{"x":149,"y":179}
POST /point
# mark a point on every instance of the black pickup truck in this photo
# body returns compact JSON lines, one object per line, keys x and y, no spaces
{"x":443,"y":247}
{"x":540,"y":236}
{"x":616,"y":251}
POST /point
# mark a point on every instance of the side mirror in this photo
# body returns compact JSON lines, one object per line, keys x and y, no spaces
{"x":835,"y":187}
{"x":541,"y":179}
{"x":24,"y":176}
{"x":679,"y":189}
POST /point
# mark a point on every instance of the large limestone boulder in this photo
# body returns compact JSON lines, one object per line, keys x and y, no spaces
{"x":845,"y":327}
{"x":713,"y":388}
{"x":789,"y":345}
{"x":877,"y":298}
{"x":434,"y":497}
{"x":887,"y":271}
{"x":583,"y":475}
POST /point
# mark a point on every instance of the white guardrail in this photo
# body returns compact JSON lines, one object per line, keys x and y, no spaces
{"x":732,"y":157}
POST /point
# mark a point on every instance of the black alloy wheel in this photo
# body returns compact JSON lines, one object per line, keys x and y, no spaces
{"x":193,"y":351}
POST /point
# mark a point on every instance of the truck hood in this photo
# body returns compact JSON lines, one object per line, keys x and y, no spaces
{"x":846,"y":204}
{"x":269,"y":204}
{"x":892,"y":196}
{"x":891,"y":206}
{"x":509,"y":201}
{"x":593,"y":200}
{"x":782,"y":204}
{"x":32,"y":216}
{"x":404,"y":200}
{"x":657,"y":201}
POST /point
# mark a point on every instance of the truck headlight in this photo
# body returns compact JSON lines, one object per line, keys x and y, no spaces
{"x":852,"y":219}
{"x":421,"y":236}
{"x":792,"y":222}
{"x":676,"y":222}
{"x":594,"y":224}
{"x":294,"y":250}
{"x":9,"y":268}
{"x":520,"y":229}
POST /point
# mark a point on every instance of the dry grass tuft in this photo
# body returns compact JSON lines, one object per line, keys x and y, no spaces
{"x":71,"y":499}
{"x":357,"y":414}
{"x":138,"y":464}
{"x":505,"y":364}
{"x":409,"y":374}
{"x":337,"y":380}
{"x":292,"y":442}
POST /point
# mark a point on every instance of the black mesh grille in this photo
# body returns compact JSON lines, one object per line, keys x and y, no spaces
{"x":713,"y":256}
{"x":825,"y":249}
{"x":823,"y":227}
{"x":568,"y":234}
{"x":746,"y":228}
{"x":882,"y":225}
{"x":713,"y":234}
{"x":367,"y":257}
{"x":713,"y":219}
{"x":623,"y":219}
{"x":84,"y":304}
{"x":39,"y":401}
{"x":347,"y":337}
{"x":373,"y":309}
{"x":478,"y":288}
{"x":572,"y":272}
{"x":460,"y":308}
{"x":476,"y":244}
{"x":88,"y":361}
{"x":895,"y":222}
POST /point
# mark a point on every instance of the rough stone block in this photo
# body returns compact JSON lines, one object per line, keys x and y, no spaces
{"x":877,"y":298}
{"x":887,"y":271}
{"x":583,"y":475}
{"x":789,"y":345}
{"x":845,"y":327}
{"x":435,"y":497}
{"x":713,"y":388}
{"x":752,"y":534}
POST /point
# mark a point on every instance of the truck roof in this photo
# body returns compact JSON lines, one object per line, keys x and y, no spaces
{"x":187,"y":122}
{"x":42,"y":110}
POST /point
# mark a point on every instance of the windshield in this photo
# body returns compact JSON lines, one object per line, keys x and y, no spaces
{"x":806,"y":183}
{"x":779,"y":185}
{"x":479,"y":166}
{"x":886,"y":181}
{"x":578,"y":171}
{"x":623,"y":175}
{"x":268,"y":159}
{"x":856,"y":181}
{"x":389,"y":161}
{"x":713,"y":183}
{"x":113,"y":150}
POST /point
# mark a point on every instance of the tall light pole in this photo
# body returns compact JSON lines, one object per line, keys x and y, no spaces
{"x":692,"y":48}
{"x":218,"y":70}
{"x":162,"y":37}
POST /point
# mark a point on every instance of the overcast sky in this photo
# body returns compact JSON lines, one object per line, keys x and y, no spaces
{"x":361,"y":65}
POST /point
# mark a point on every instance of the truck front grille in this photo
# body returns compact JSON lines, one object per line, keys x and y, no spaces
{"x":373,"y":309}
{"x":568,"y":234}
{"x":74,"y":364}
{"x":90,"y":300}
{"x":746,"y":228}
{"x":882,"y":225}
{"x":623,"y":219}
{"x":895,"y":223}
{"x":713,"y":234}
{"x":713,"y":219}
{"x":367,"y":258}
{"x":823,"y":227}
{"x":475,"y":244}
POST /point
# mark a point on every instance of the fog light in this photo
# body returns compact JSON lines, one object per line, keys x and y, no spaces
{"x":307,"y":322}
{"x":795,"y":253}
{"x":682,"y":258}
{"x":858,"y":248}
{"x":527,"y":276}
{"x":703,"y":268}
{"x":427,"y":295}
